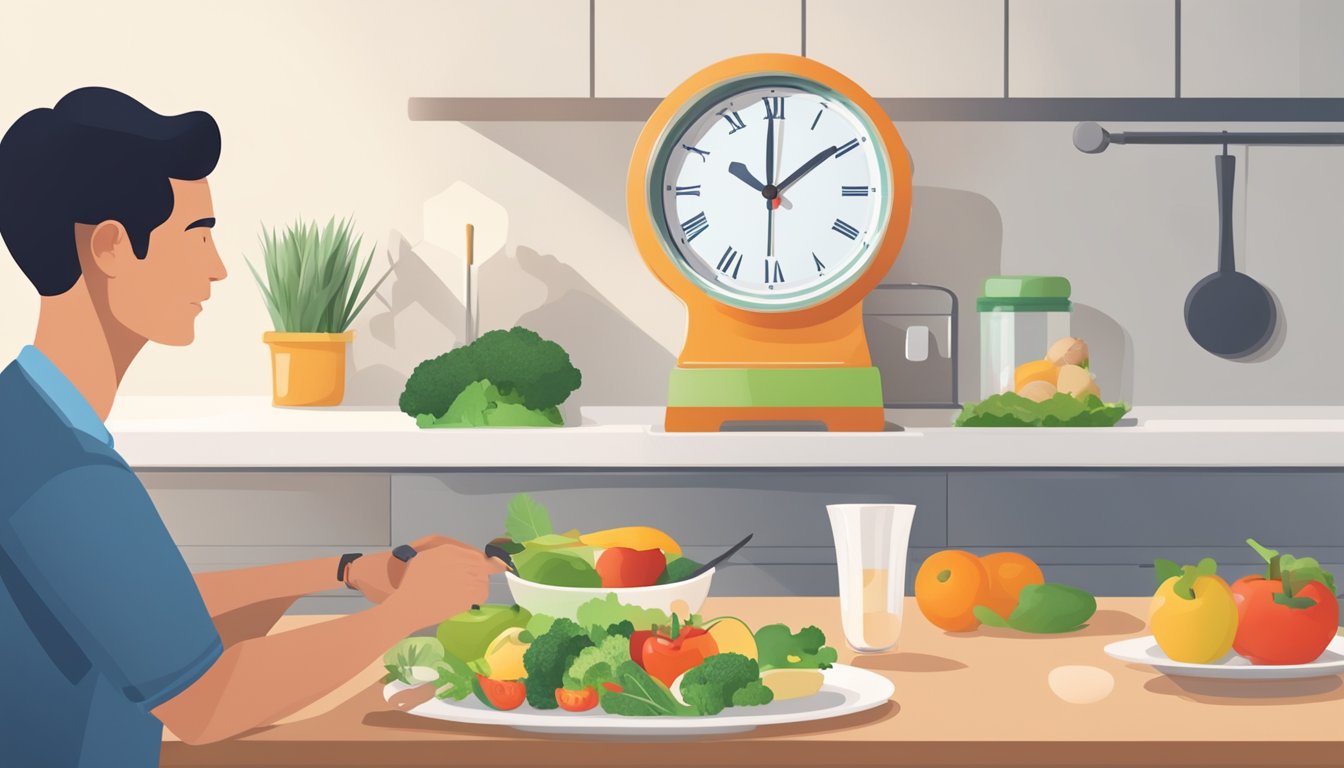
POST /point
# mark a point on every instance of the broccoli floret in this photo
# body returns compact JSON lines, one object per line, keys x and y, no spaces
{"x":613,"y":651}
{"x":547,"y":659}
{"x":752,"y":694}
{"x":778,"y":648}
{"x":705,"y":698}
{"x":525,"y":367}
{"x":711,"y":687}
{"x":624,"y":628}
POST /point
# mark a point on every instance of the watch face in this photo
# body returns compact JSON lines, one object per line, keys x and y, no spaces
{"x":771,"y":193}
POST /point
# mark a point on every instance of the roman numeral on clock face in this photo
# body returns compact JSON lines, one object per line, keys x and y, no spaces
{"x":845,"y":229}
{"x":774,"y":273}
{"x":702,"y":153}
{"x":847,"y":147}
{"x":735,"y":120}
{"x":693,"y":226}
{"x":691,"y":190}
{"x":774,"y":107}
{"x":845,"y":191}
{"x":731,"y":259}
{"x":820,"y":267}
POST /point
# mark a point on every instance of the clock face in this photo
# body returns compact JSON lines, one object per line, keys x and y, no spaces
{"x":773,"y":194}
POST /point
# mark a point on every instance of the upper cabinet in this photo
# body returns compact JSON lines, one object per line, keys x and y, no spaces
{"x":1092,"y":48}
{"x":911,"y":48}
{"x":648,"y":47}
{"x":512,"y":48}
{"x":1262,"y":48}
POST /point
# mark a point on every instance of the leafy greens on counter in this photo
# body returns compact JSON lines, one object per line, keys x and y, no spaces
{"x":1062,"y":410}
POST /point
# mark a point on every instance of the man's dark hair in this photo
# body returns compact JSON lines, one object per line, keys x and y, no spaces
{"x":98,"y":155}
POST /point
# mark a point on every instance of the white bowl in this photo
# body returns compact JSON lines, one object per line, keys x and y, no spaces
{"x":564,"y":602}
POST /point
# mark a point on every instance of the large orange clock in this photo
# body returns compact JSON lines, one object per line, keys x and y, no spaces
{"x":770,"y":193}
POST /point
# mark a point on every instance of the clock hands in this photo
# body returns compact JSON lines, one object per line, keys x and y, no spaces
{"x":740,"y":171}
{"x":769,"y":149}
{"x":807,"y":167}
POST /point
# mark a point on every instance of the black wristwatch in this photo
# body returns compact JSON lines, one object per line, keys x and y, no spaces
{"x":404,"y":552}
{"x":343,"y":567}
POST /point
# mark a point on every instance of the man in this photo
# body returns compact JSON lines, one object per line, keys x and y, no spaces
{"x":105,"y":637}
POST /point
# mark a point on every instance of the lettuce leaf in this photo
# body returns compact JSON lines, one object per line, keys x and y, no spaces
{"x":1062,"y":410}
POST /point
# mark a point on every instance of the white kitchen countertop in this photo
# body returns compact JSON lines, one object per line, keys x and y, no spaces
{"x":248,"y":432}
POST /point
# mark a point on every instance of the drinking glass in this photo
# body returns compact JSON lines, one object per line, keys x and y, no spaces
{"x":871,"y":542}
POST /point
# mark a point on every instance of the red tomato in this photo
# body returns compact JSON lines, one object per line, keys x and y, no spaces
{"x":665,"y":659}
{"x":576,"y":701}
{"x":637,"y":645}
{"x":625,"y":567}
{"x":500,"y":694}
{"x":1272,"y":633}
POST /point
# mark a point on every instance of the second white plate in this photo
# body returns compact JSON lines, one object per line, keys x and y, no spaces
{"x":1144,"y":650}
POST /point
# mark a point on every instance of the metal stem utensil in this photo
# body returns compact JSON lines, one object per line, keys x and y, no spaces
{"x":731,"y":551}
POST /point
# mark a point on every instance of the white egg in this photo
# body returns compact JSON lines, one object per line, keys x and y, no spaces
{"x":1079,"y":684}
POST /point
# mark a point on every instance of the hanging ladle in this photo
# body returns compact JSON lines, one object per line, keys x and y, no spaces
{"x":1228,"y":313}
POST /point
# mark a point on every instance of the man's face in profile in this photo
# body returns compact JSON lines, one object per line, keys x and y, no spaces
{"x":158,"y":297}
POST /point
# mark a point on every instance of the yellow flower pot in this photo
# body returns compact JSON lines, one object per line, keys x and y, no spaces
{"x":307,"y":368}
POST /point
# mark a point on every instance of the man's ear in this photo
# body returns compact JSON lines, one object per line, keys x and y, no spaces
{"x":109,"y":246}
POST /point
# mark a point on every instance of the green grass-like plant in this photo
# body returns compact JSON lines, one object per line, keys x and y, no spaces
{"x":311,"y":286}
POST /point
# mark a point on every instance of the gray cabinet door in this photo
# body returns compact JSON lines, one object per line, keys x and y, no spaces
{"x":1101,"y":530}
{"x":791,"y":552}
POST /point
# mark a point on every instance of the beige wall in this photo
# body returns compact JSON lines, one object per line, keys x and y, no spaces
{"x":311,"y":97}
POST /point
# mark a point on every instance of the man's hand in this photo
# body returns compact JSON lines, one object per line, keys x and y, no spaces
{"x":377,"y":575}
{"x":443,"y":581}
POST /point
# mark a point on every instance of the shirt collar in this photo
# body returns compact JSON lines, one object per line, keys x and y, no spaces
{"x":62,"y":394}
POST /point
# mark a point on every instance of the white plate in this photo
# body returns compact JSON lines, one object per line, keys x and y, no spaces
{"x":847,"y":690}
{"x":1144,"y":650}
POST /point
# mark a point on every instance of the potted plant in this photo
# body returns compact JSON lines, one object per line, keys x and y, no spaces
{"x":311,"y":291}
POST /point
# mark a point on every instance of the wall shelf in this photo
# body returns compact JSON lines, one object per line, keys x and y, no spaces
{"x":1223,"y":110}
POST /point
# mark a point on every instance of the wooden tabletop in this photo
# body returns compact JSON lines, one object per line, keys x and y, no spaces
{"x":980,"y":698}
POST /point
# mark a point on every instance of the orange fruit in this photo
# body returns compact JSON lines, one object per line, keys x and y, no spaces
{"x":1008,"y":573}
{"x":948,"y":586}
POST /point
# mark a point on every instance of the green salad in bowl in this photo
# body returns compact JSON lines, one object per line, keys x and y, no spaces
{"x":559,"y":571}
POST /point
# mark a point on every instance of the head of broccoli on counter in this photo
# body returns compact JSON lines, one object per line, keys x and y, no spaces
{"x":512,"y":378}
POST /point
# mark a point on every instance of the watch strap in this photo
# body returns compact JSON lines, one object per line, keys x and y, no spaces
{"x":343,"y":567}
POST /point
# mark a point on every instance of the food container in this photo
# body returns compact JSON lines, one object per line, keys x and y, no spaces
{"x":681,"y":597}
{"x":1020,"y":316}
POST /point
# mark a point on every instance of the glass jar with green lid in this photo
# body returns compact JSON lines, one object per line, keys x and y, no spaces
{"x":1020,"y":317}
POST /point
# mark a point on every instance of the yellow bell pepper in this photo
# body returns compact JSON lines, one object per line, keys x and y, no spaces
{"x":1193,"y":615}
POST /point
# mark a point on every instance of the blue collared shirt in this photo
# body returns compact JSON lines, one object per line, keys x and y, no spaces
{"x":100,"y":619}
{"x":62,"y":395}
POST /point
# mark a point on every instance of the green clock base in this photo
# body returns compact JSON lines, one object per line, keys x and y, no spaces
{"x":845,"y":399}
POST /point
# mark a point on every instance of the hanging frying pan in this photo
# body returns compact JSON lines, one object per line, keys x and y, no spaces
{"x":1228,"y":313}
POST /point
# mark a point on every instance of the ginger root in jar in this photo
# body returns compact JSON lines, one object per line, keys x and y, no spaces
{"x":1067,"y":351}
{"x":1038,"y":391}
{"x":1076,"y":381}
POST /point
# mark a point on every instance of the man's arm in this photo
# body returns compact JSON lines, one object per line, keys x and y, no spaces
{"x":260,"y":680}
{"x":263,"y":679}
{"x":247,"y":602}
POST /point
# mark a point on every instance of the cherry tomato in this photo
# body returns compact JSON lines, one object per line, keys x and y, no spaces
{"x":499,"y":694}
{"x":1269,"y":632}
{"x":576,"y":701}
{"x":625,"y":567}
